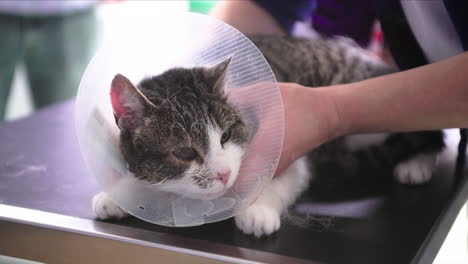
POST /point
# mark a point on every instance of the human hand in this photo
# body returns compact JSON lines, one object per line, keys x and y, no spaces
{"x":310,"y":119}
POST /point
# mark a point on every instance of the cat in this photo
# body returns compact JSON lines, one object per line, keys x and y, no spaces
{"x":179,"y":132}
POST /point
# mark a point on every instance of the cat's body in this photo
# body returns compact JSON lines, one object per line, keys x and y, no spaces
{"x":315,"y":63}
{"x":311,"y":63}
{"x":331,"y":61}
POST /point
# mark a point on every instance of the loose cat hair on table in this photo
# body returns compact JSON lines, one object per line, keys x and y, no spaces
{"x":178,"y":132}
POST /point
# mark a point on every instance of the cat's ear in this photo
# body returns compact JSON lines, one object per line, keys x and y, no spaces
{"x":217,"y":75}
{"x":127,"y":101}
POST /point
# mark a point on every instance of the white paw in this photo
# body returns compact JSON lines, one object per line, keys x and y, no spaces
{"x":105,"y":208}
{"x":259,"y":220}
{"x":416,"y":170}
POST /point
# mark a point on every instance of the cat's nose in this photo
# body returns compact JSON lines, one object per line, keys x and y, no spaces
{"x":223,"y":176}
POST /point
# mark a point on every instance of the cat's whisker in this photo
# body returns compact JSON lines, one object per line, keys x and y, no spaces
{"x":156,"y":184}
{"x":137,"y":179}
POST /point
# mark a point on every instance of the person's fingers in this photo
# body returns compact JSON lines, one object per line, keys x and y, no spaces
{"x":262,"y":110}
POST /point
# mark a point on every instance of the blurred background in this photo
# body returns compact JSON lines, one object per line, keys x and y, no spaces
{"x":46,"y":45}
{"x":30,"y":19}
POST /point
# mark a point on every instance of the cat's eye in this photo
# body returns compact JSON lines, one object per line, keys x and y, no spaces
{"x":185,"y":153}
{"x":225,"y":137}
{"x":139,"y":147}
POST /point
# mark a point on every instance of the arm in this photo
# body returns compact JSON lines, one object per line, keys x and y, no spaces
{"x":426,"y":98}
{"x":247,"y":17}
{"x":274,"y":17}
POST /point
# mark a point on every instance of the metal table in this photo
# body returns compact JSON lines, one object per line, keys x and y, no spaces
{"x":45,"y":211}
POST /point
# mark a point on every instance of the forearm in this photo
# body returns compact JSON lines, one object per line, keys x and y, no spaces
{"x":247,"y":17}
{"x":426,"y":98}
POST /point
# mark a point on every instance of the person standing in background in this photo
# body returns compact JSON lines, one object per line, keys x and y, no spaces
{"x":328,"y":18}
{"x":54,"y":40}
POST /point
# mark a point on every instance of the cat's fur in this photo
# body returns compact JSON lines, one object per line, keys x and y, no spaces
{"x":187,"y":107}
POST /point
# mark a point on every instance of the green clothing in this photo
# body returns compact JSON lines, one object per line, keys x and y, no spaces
{"x":55,"y":51}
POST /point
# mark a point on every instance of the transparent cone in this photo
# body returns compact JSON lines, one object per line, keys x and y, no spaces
{"x":192,"y":40}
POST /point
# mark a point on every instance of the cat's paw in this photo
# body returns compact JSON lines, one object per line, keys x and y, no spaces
{"x":416,"y":170}
{"x":259,"y":220}
{"x":105,"y":208}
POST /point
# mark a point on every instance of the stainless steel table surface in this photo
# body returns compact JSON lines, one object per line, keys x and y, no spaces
{"x":45,"y":211}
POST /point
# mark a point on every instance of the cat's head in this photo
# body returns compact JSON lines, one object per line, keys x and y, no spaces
{"x":178,"y":132}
